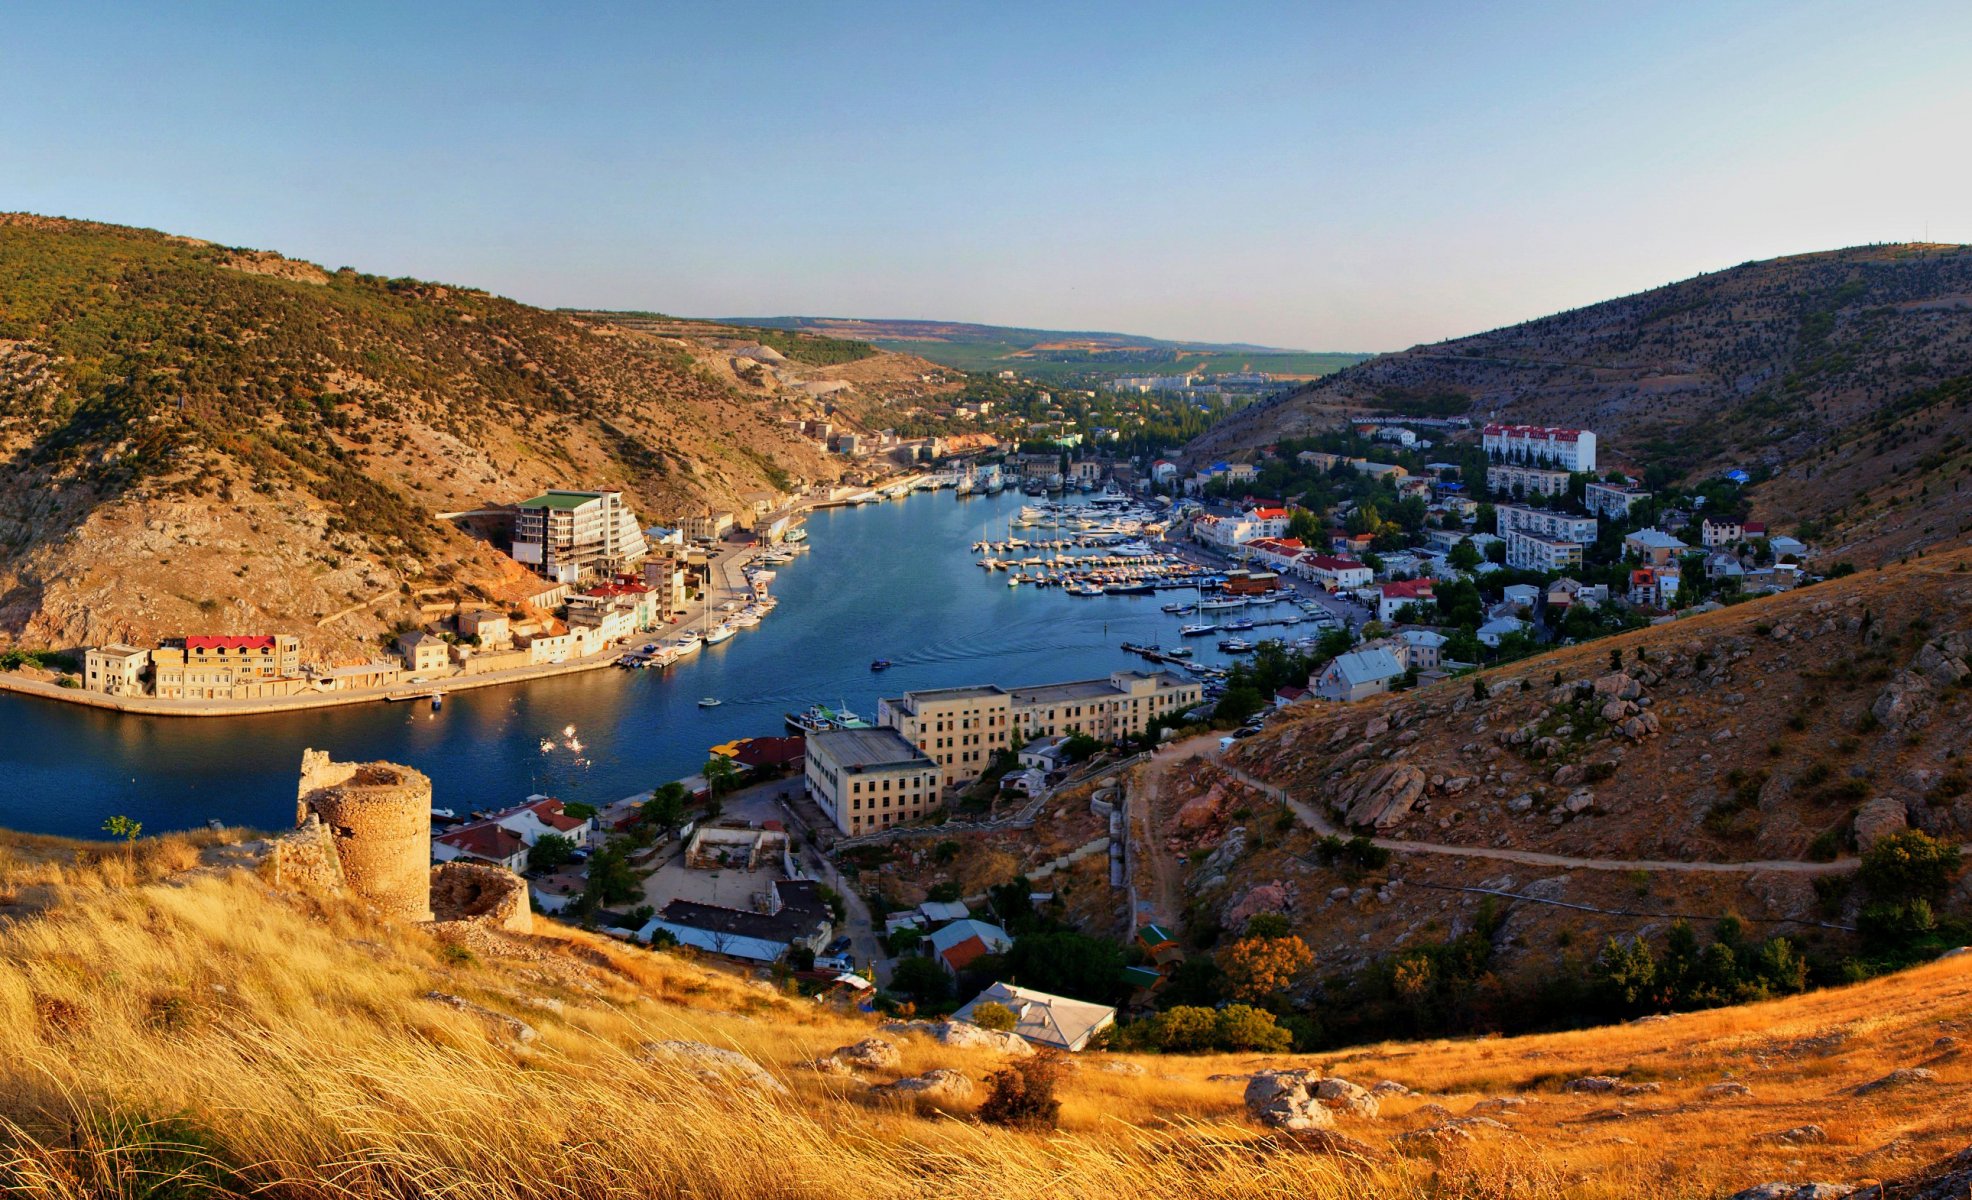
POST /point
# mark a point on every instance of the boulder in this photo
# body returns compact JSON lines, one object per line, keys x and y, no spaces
{"x":1940,"y":667}
{"x":1389,"y":1087}
{"x":1800,"y":1135}
{"x":1617,"y":685}
{"x":1731,"y":1087}
{"x":1905,"y":703}
{"x":1339,"y":1095}
{"x":1500,"y":1104}
{"x":513,"y":1027}
{"x":1878,"y":819}
{"x":711,"y":1063}
{"x":963,"y":1033}
{"x":1901,"y":1077}
{"x":1579,"y":801}
{"x":1382,"y":796}
{"x":1432,"y":1139}
{"x":871,"y":1054}
{"x":938,"y":1085}
{"x":1328,"y":1141}
{"x":1594,"y":1084}
{"x":1641,"y":726}
{"x":1282,"y":1100}
{"x":1794,"y":1191}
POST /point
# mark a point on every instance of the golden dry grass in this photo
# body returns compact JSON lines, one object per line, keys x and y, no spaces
{"x":197,"y":1035}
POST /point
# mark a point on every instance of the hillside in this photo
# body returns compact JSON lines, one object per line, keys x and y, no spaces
{"x":1058,"y":356}
{"x":1731,"y":765}
{"x":178,"y":1027}
{"x":1848,"y":373}
{"x":203,"y":438}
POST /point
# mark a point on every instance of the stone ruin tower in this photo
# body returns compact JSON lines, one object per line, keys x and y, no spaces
{"x":378,"y":816}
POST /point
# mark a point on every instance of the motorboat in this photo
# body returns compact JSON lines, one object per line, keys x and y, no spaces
{"x":1238,"y":626}
{"x":881,"y":664}
{"x":1235,"y":645}
{"x":709,"y":702}
{"x":720,"y":633}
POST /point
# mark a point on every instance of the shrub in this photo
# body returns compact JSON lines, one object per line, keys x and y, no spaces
{"x":1241,"y":1027}
{"x":1185,"y":1029}
{"x":993,"y":1015}
{"x":1021,"y":1094}
{"x":1909,"y":865}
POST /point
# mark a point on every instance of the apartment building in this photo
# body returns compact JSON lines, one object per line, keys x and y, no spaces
{"x":1561,"y":527}
{"x":1612,"y":500}
{"x":870,"y":779}
{"x":1568,"y":449}
{"x":1526,"y":481}
{"x":961,"y":728}
{"x":228,"y":668}
{"x":565,"y":535}
{"x":709,"y":527}
{"x":267,"y":656}
{"x":1531,"y":552}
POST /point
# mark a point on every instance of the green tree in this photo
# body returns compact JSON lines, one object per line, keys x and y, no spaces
{"x":922,"y":979}
{"x":993,"y":1015}
{"x":721,"y":774}
{"x":1242,"y":1027}
{"x":1186,"y":1029}
{"x":1909,"y":865}
{"x":1067,"y":964}
{"x":1464,"y":555}
{"x":125,"y":828}
{"x":666,"y":806}
{"x":549,"y":851}
{"x":1305,"y":527}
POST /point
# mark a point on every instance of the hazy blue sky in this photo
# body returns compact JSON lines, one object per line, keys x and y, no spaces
{"x":1330,"y":176}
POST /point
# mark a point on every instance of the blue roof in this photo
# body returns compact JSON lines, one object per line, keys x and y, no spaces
{"x":1738,"y":476}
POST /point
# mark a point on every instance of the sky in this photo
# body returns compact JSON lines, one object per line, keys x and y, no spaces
{"x":1328,"y":176}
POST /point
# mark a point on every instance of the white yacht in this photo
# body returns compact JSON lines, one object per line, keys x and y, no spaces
{"x":720,"y":633}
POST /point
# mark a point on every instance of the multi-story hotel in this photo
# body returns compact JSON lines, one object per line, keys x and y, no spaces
{"x":564,"y":535}
{"x":960,"y":728}
{"x":1569,"y":449}
{"x":869,"y":779}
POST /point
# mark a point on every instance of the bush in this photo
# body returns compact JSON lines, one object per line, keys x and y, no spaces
{"x":993,"y":1015}
{"x":1186,"y":1029}
{"x":1909,"y":865}
{"x":1021,"y":1095}
{"x":1241,"y":1027}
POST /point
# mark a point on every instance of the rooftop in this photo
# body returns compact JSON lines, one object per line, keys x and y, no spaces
{"x":200,"y":642}
{"x":564,"y":501}
{"x":860,"y":749}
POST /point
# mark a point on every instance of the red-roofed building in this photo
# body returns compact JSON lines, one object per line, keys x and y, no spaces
{"x":543,"y":815}
{"x":771,"y":753}
{"x":1278,"y":553}
{"x":1335,"y":574}
{"x":1391,"y":597}
{"x":264,"y":656}
{"x":1341,"y":541}
{"x":1568,"y":449}
{"x":482,"y":841}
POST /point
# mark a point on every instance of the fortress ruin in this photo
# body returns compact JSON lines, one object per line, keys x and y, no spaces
{"x":378,"y":817}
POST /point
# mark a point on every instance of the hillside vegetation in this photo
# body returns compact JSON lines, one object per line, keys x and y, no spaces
{"x":178,"y":1029}
{"x":199,"y":435}
{"x":1849,"y":373}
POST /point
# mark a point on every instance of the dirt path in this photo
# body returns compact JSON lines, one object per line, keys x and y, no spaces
{"x":1320,"y":824}
{"x":1154,"y":866}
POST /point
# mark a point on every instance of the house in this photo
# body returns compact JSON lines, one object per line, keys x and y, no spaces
{"x":543,"y":815}
{"x":1335,"y":574}
{"x":1721,"y":531}
{"x":1391,"y":598}
{"x":1288,"y":695}
{"x":1499,"y":627}
{"x":1045,"y":753}
{"x":1654,"y":546}
{"x":1357,"y":675}
{"x":957,"y":944}
{"x":424,"y":654}
{"x":1654,"y":587}
{"x":1350,"y":545}
{"x":797,"y":916}
{"x":1522,"y":595}
{"x":116,"y":670}
{"x":1546,"y":523}
{"x":1044,"y":1019}
{"x":1723,"y":564}
{"x":937,"y":912}
{"x":481,"y":841}
{"x":1423,"y":648}
{"x":356,"y":677}
{"x":1784,"y":547}
{"x":1279,"y":553}
{"x":488,"y":629}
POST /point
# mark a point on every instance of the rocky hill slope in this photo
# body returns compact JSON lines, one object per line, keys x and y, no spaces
{"x":180,"y":1026}
{"x":1734,"y":764}
{"x":1848,"y":373}
{"x":197,"y":437}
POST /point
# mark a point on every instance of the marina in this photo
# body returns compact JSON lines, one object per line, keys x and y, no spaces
{"x":838,"y":615}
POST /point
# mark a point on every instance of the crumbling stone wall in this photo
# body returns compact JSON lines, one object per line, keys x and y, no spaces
{"x":304,"y":860}
{"x":479,"y":894}
{"x":378,"y":817}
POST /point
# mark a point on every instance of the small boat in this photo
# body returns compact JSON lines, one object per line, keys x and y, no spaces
{"x":1239,"y":626}
{"x":1235,"y":645}
{"x":443,"y":814}
{"x":881,"y":664}
{"x":709,"y":702}
{"x":1198,"y":630}
{"x":796,"y":535}
{"x":437,"y":701}
{"x":720,"y":633}
{"x":1179,"y":608}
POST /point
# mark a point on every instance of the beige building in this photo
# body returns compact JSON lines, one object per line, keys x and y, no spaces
{"x":356,"y":677}
{"x":961,"y":728}
{"x":870,"y":779}
{"x":424,"y":654}
{"x":117,"y":670}
{"x":707,"y":528}
{"x":493,"y":629}
{"x":265,"y":656}
{"x":175,"y":677}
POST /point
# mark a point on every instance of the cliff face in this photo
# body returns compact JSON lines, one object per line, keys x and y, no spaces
{"x":198,"y":438}
{"x":1848,"y":373}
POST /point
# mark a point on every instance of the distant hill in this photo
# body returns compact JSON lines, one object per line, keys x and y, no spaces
{"x":199,"y":438}
{"x":1849,"y":373}
{"x":1057,"y":355}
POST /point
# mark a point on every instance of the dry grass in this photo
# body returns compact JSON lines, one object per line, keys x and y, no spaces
{"x":197,"y":1036}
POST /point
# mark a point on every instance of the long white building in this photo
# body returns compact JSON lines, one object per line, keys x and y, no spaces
{"x":1569,"y":449}
{"x":565,"y":535}
{"x":1541,"y":522}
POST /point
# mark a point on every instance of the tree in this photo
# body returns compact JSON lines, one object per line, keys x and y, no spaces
{"x":666,"y":806}
{"x":1067,"y":964}
{"x":1909,"y":865}
{"x":549,"y":851}
{"x":1305,"y":526}
{"x":721,"y":775}
{"x":1186,"y":1029}
{"x":1260,"y":968}
{"x":1464,"y":555}
{"x":993,"y":1015}
{"x":922,"y":979}
{"x":125,"y":828}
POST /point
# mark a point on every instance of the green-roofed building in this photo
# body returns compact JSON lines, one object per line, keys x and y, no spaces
{"x":566,"y":535}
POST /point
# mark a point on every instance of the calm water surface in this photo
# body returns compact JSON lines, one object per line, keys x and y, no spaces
{"x":895,"y":581}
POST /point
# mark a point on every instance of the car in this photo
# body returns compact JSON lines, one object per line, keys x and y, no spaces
{"x":838,"y":945}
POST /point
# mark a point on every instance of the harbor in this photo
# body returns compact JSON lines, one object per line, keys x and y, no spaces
{"x":893,"y":582}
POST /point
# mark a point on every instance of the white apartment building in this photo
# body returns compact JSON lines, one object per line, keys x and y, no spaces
{"x":1612,"y":500}
{"x":1526,"y":481}
{"x":1561,"y":527}
{"x":564,"y":535}
{"x":1532,"y":552}
{"x":1568,"y":449}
